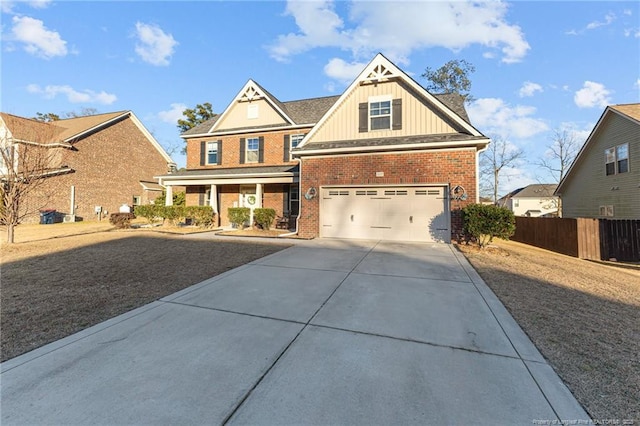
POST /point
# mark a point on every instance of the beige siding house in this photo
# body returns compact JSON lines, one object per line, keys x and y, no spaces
{"x":604,"y":180}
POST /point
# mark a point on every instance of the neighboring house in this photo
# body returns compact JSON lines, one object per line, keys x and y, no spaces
{"x":97,"y":162}
{"x":533,"y":201}
{"x":385,"y":160}
{"x":604,"y":179}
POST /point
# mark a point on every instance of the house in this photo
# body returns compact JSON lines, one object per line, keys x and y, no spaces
{"x":532,"y":201}
{"x":384,"y":160}
{"x":604,"y":179}
{"x":95,"y":164}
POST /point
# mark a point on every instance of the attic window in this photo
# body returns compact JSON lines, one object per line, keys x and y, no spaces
{"x":380,"y":115}
{"x":616,"y":159}
{"x":252,"y":111}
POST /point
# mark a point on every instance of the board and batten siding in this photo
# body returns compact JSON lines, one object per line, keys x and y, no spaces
{"x":237,"y":117}
{"x":589,"y":187}
{"x":417,"y":116}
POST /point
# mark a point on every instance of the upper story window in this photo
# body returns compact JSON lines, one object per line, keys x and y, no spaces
{"x":212,"y":153}
{"x":253,"y":148}
{"x":295,"y":140}
{"x":617,"y":159}
{"x":380,"y":115}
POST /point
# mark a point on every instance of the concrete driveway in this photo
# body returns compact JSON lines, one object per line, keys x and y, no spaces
{"x":325,"y":332}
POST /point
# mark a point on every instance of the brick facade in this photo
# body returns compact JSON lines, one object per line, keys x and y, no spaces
{"x":108,"y":167}
{"x":431,"y":167}
{"x":273,"y":149}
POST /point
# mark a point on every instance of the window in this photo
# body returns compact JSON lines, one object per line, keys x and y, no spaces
{"x":212,"y":152}
{"x":253,"y":147}
{"x":616,"y":159}
{"x":380,"y":115}
{"x":136,"y":200}
{"x":516,"y":203}
{"x":294,"y":200}
{"x":294,"y":141}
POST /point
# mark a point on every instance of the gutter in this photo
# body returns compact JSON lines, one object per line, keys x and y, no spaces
{"x":299,"y":160}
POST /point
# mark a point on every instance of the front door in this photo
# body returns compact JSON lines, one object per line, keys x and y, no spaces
{"x":249,"y":198}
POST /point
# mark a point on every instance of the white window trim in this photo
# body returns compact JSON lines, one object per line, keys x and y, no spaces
{"x":291,"y":147}
{"x":217,"y":151}
{"x":380,"y":98}
{"x":247,"y":150}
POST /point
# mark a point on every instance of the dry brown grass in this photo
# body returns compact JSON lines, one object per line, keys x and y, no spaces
{"x":54,"y":287}
{"x":584,"y":317}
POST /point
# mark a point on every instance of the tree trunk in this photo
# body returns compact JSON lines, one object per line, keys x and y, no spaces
{"x":10,"y":237}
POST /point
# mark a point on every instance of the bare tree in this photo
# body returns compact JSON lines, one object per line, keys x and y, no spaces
{"x":500,"y":155}
{"x":28,"y":155}
{"x":560,"y":154}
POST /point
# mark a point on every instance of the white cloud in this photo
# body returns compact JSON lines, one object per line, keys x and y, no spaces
{"x":608,"y":19}
{"x":529,"y":89}
{"x":73,"y":96}
{"x":40,"y":4}
{"x":494,"y":116}
{"x":592,"y":95}
{"x":6,"y":6}
{"x":637,"y":84}
{"x":37,"y":39}
{"x":154,"y":46}
{"x":340,"y":70}
{"x":172,"y":115}
{"x":397,"y":31}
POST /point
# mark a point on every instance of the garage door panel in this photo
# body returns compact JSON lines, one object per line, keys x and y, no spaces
{"x":387,"y":213}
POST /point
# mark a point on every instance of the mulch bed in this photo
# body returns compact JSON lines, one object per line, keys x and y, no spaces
{"x":54,"y":288}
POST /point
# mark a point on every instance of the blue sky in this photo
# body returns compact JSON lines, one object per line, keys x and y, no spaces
{"x":540,"y":66}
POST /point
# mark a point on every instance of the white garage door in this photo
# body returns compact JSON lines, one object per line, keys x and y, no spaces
{"x":397,"y":213}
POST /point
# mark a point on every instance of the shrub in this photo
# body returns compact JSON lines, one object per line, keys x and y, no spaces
{"x":148,"y":211}
{"x":179,"y":199}
{"x":172,"y":214}
{"x":485,"y":222}
{"x":264,"y":217}
{"x":121,"y":220}
{"x":238,"y":216}
{"x":202,"y":216}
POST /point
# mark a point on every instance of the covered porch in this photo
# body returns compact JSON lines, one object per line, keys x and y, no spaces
{"x":274,"y":187}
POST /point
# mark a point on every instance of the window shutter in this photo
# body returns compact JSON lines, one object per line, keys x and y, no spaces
{"x":219,"y":152}
{"x":243,"y":143}
{"x":287,"y":146}
{"x":203,"y":153}
{"x":396,"y":112}
{"x":261,"y":149}
{"x":363,"y":117}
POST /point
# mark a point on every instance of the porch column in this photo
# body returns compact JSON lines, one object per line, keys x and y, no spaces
{"x":168,"y":200}
{"x":259,"y":195}
{"x":213,"y":198}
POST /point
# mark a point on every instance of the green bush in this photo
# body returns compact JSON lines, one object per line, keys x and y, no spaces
{"x":121,"y":220}
{"x":172,"y":214}
{"x":485,"y":222}
{"x":148,"y":211}
{"x":238,"y":216}
{"x":264,"y":217}
{"x":179,"y":199}
{"x":202,"y":216}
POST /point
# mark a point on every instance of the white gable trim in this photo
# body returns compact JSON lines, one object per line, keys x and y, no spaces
{"x":250,"y":91}
{"x":381,"y":69}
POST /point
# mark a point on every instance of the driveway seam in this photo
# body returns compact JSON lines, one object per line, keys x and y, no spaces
{"x":268,"y":370}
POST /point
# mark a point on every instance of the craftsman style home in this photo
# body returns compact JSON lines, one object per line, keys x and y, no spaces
{"x":604,"y":179}
{"x":91,"y":166}
{"x":384,"y":160}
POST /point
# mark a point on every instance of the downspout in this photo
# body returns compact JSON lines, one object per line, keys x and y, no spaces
{"x":299,"y":160}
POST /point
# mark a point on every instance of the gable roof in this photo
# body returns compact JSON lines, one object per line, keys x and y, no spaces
{"x":536,"y":190}
{"x":382,"y":69}
{"x":629,"y":112}
{"x":66,"y":132}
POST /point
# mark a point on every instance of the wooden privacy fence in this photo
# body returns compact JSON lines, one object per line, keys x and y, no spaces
{"x":595,"y":239}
